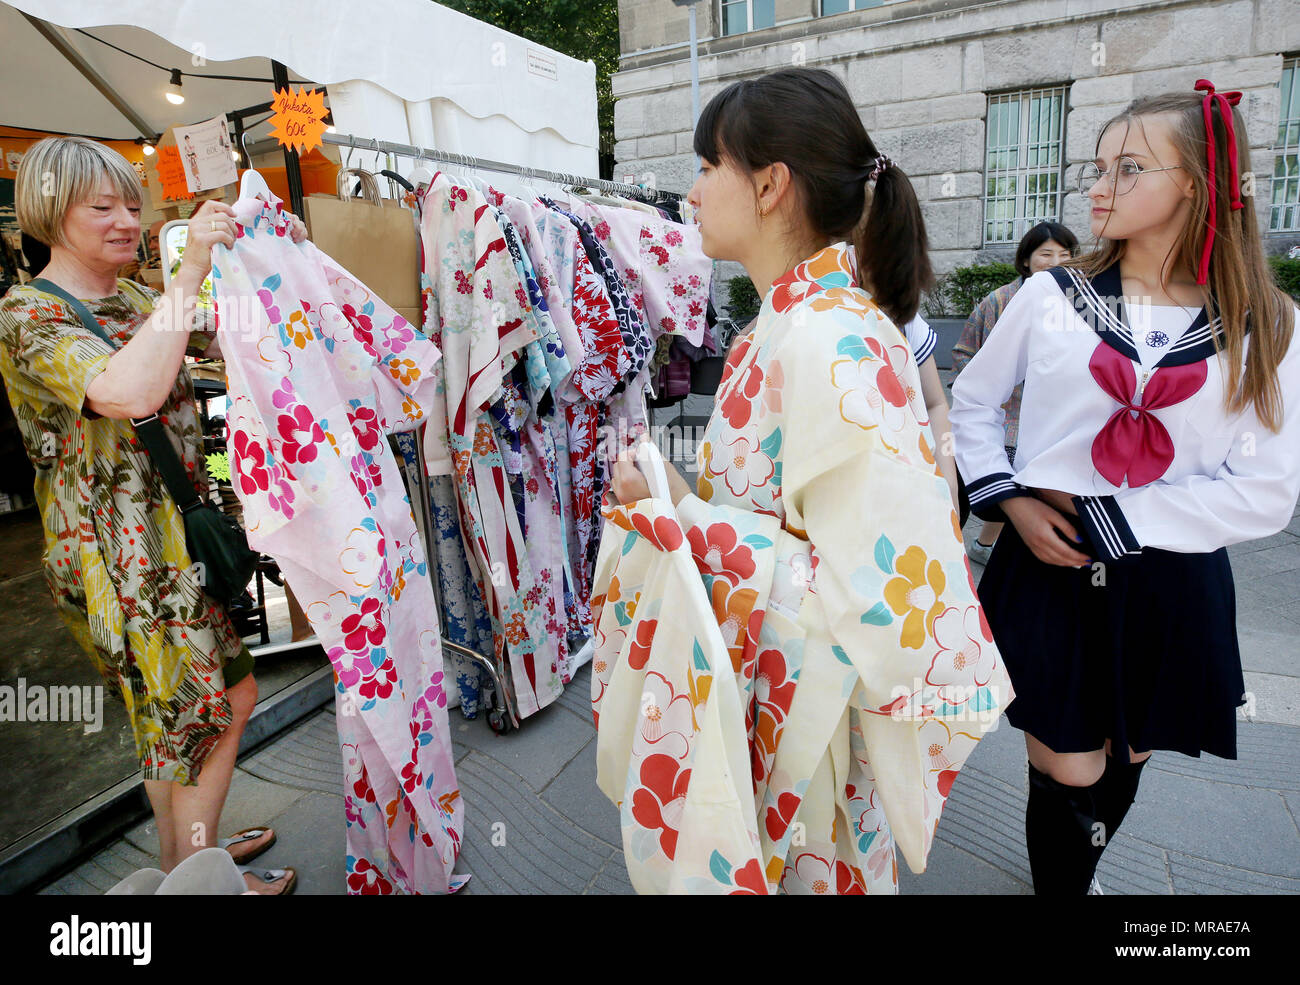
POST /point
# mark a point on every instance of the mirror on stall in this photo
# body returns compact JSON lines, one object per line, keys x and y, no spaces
{"x":171,"y":240}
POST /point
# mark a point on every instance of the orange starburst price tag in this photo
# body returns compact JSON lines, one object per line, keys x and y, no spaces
{"x":298,"y":118}
{"x":171,"y":174}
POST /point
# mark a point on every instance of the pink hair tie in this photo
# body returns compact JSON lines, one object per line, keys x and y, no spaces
{"x":879,"y":165}
{"x":1226,"y":101}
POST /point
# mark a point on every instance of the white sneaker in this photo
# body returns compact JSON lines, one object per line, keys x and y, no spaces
{"x":979,"y":553}
{"x":1095,"y":888}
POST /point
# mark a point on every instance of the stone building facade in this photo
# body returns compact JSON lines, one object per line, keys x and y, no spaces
{"x":991,"y":106}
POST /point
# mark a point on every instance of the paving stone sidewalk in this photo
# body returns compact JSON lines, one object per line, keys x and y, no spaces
{"x":1202,"y":825}
{"x":537,"y":824}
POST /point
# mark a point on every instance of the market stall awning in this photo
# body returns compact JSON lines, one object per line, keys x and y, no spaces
{"x":407,"y":70}
{"x":41,"y":89}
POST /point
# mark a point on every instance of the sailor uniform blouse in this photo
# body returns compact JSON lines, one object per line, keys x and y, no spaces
{"x":921,"y":338}
{"x":1124,"y":409}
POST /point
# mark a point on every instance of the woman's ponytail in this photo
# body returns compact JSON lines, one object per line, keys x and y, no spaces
{"x":892,"y":248}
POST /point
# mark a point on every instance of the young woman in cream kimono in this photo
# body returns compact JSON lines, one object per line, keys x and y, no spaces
{"x":792,"y":664}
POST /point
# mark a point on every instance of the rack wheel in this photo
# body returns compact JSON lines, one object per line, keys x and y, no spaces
{"x":498,"y":722}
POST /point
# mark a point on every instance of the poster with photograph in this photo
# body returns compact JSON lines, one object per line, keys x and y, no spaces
{"x":206,"y":154}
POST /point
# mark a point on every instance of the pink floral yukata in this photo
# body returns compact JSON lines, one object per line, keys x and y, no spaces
{"x":320,"y":372}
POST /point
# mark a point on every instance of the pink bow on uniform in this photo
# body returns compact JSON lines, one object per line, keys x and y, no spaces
{"x":1139,"y":447}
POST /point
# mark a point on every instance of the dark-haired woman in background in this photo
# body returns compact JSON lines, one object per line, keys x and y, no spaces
{"x":1043,"y":247}
{"x":823,"y":531}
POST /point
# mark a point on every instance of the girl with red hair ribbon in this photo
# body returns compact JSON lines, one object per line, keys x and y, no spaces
{"x":1159,"y":424}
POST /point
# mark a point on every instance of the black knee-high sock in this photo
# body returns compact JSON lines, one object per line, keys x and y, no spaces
{"x":1059,"y":834}
{"x":1117,"y":790}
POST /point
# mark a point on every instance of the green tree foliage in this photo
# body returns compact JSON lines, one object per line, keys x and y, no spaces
{"x":956,"y":294}
{"x":582,"y":29}
{"x":743,"y":301}
{"x":1287,"y":274}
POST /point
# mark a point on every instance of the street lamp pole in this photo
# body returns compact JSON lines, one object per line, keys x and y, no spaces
{"x":695,"y":74}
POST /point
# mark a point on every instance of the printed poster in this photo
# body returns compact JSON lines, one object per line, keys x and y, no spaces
{"x":206,"y":154}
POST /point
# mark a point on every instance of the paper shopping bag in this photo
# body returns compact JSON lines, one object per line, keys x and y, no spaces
{"x":379,"y":246}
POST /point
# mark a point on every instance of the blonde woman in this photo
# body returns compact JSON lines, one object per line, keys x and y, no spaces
{"x":115,"y":554}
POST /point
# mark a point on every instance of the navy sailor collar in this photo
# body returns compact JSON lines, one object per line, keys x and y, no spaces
{"x":1099,"y":302}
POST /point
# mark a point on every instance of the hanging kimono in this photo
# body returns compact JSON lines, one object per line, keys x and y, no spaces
{"x":319,"y":371}
{"x":549,"y":294}
{"x":622,"y":417}
{"x":528,"y":454}
{"x":479,"y":314}
{"x":662,"y":263}
{"x":555,"y":296}
{"x":539,"y":488}
{"x":667,"y":277}
{"x":636,"y":339}
{"x":605,"y":362}
{"x":464,"y":616}
{"x":827,"y":546}
{"x":551,"y":348}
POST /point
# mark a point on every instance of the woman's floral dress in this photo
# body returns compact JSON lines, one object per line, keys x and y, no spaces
{"x":831,"y":660}
{"x":115,"y":555}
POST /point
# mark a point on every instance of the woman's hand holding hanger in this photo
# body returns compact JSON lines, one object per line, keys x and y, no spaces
{"x":628,"y":484}
{"x":297,"y":228}
{"x":214,"y":223}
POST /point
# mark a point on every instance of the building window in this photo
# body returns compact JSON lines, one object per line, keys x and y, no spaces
{"x":739,"y":16}
{"x":1284,"y":210}
{"x":844,"y":6}
{"x":1022,"y":162}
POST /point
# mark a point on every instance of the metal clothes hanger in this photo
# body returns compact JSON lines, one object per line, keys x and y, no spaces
{"x":526,"y":181}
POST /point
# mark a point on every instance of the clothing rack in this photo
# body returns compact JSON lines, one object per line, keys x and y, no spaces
{"x":502,"y":717}
{"x":464,"y":160}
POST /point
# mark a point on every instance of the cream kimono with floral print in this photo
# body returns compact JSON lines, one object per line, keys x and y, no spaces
{"x":832,"y":562}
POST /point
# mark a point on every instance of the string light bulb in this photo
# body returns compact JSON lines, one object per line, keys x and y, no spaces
{"x":174,"y":94}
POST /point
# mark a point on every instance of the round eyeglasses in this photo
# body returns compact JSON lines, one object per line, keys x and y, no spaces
{"x":1126,"y":173}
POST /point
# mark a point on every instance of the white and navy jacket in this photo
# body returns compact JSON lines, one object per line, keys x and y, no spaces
{"x":921,"y":338}
{"x":1124,"y":409}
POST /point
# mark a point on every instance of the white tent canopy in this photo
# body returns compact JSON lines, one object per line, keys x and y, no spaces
{"x":408,"y":71}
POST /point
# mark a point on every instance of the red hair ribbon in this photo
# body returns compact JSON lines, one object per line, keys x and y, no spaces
{"x":1139,"y":447}
{"x":1226,"y":101}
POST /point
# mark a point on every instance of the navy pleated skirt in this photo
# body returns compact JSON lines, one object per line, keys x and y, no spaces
{"x":1142,"y":652}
